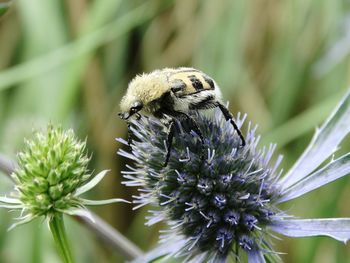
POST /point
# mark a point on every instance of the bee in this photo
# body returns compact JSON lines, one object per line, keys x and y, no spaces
{"x":172,"y":94}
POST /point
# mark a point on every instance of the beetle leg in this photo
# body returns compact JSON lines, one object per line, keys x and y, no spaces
{"x":170,"y":141}
{"x":228,"y":116}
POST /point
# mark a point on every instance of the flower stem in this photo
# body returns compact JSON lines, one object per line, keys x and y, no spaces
{"x":59,"y":234}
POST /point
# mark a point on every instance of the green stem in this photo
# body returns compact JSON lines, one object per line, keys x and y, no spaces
{"x":59,"y":234}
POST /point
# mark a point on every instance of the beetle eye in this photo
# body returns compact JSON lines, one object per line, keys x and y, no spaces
{"x":136,"y":107}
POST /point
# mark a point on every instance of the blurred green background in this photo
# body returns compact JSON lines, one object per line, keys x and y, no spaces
{"x":284,"y":63}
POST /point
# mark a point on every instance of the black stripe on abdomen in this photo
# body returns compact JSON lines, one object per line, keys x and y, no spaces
{"x":196,"y":83}
{"x":178,"y":85}
{"x":209,"y":81}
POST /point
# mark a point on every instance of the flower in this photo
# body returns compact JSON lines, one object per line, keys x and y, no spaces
{"x":227,"y":204}
{"x":52,"y":173}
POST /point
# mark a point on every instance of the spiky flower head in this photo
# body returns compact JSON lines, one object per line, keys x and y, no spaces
{"x":226,"y":204}
{"x":219,"y":204}
{"x":52,"y":172}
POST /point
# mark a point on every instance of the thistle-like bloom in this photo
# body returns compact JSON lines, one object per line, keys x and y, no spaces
{"x":226,"y":204}
{"x":52,"y":173}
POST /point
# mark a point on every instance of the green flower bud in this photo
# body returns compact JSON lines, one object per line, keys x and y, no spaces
{"x":52,"y":174}
{"x":51,"y":167}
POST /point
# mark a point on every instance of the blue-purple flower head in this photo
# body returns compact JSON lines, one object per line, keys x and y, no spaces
{"x":226,"y":204}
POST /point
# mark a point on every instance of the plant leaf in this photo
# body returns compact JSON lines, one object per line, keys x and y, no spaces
{"x":81,"y":212}
{"x":91,"y":184}
{"x":329,"y":173}
{"x":8,"y":200}
{"x":25,"y":220}
{"x":81,"y":46}
{"x":255,"y":257}
{"x":162,"y":252}
{"x":323,"y":144}
{"x":337,"y":228}
{"x":4,"y":7}
{"x":336,"y":53}
{"x":9,"y":206}
{"x":103,"y":202}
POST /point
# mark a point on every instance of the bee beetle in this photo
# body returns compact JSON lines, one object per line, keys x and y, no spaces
{"x":171,"y":94}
